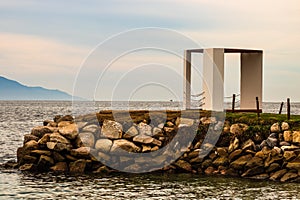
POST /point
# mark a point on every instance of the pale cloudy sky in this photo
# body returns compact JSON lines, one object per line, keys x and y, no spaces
{"x":45,"y":42}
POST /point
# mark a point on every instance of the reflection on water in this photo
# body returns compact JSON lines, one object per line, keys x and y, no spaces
{"x":17,"y":118}
{"x":143,"y":186}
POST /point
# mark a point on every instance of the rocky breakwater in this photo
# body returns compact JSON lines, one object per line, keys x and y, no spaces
{"x":269,"y":152}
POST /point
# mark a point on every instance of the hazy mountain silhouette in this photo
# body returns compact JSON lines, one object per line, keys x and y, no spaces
{"x":12,"y":90}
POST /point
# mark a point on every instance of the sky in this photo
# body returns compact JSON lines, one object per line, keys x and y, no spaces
{"x":51,"y":43}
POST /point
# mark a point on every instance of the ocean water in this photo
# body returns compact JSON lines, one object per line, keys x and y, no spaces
{"x":19,"y":117}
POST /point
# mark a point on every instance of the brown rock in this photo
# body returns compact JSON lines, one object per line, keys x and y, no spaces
{"x":285,"y":126}
{"x":221,"y":161}
{"x":64,"y":118}
{"x":58,"y":146}
{"x":248,"y":145}
{"x":144,"y":139}
{"x":28,"y":167}
{"x":44,"y":139}
{"x":144,"y":129}
{"x":146,"y":148}
{"x":275,"y":128}
{"x":261,"y":155}
{"x":56,"y":137}
{"x":69,"y":132}
{"x":102,"y":170}
{"x":154,"y":148}
{"x":278,"y":174}
{"x":233,"y":145}
{"x":28,"y":137}
{"x":112,"y":129}
{"x":40,"y":131}
{"x":63,"y":123}
{"x":31,"y":145}
{"x":288,"y":136}
{"x":240,"y":162}
{"x":238,"y":129}
{"x":253,"y":171}
{"x":45,"y":162}
{"x":60,"y":167}
{"x":184,"y":122}
{"x":103,"y":145}
{"x":272,"y":159}
{"x":289,"y":155}
{"x":289,"y":176}
{"x":40,"y":152}
{"x":209,"y":171}
{"x":273,"y":167}
{"x":81,"y":152}
{"x":58,"y":157}
{"x":119,"y":146}
{"x":235,"y":154}
{"x":206,"y":163}
{"x":293,"y":165}
{"x":255,"y":162}
{"x":222,"y":151}
{"x":78,"y":166}
{"x":131,"y":132}
{"x":296,"y":137}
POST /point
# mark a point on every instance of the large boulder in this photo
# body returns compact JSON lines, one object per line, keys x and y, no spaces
{"x":111,"y":129}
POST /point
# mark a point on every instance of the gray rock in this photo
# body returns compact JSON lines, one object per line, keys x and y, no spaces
{"x":87,"y":139}
{"x":111,"y":129}
{"x":103,"y":145}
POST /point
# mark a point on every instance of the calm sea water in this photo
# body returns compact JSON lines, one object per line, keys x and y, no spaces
{"x":18,"y":117}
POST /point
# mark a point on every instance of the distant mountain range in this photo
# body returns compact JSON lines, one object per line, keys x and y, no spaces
{"x":13,"y":90}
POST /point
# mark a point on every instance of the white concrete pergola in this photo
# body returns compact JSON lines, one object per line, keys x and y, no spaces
{"x":213,"y":77}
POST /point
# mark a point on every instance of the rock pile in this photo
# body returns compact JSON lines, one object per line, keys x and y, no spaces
{"x":62,"y":145}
